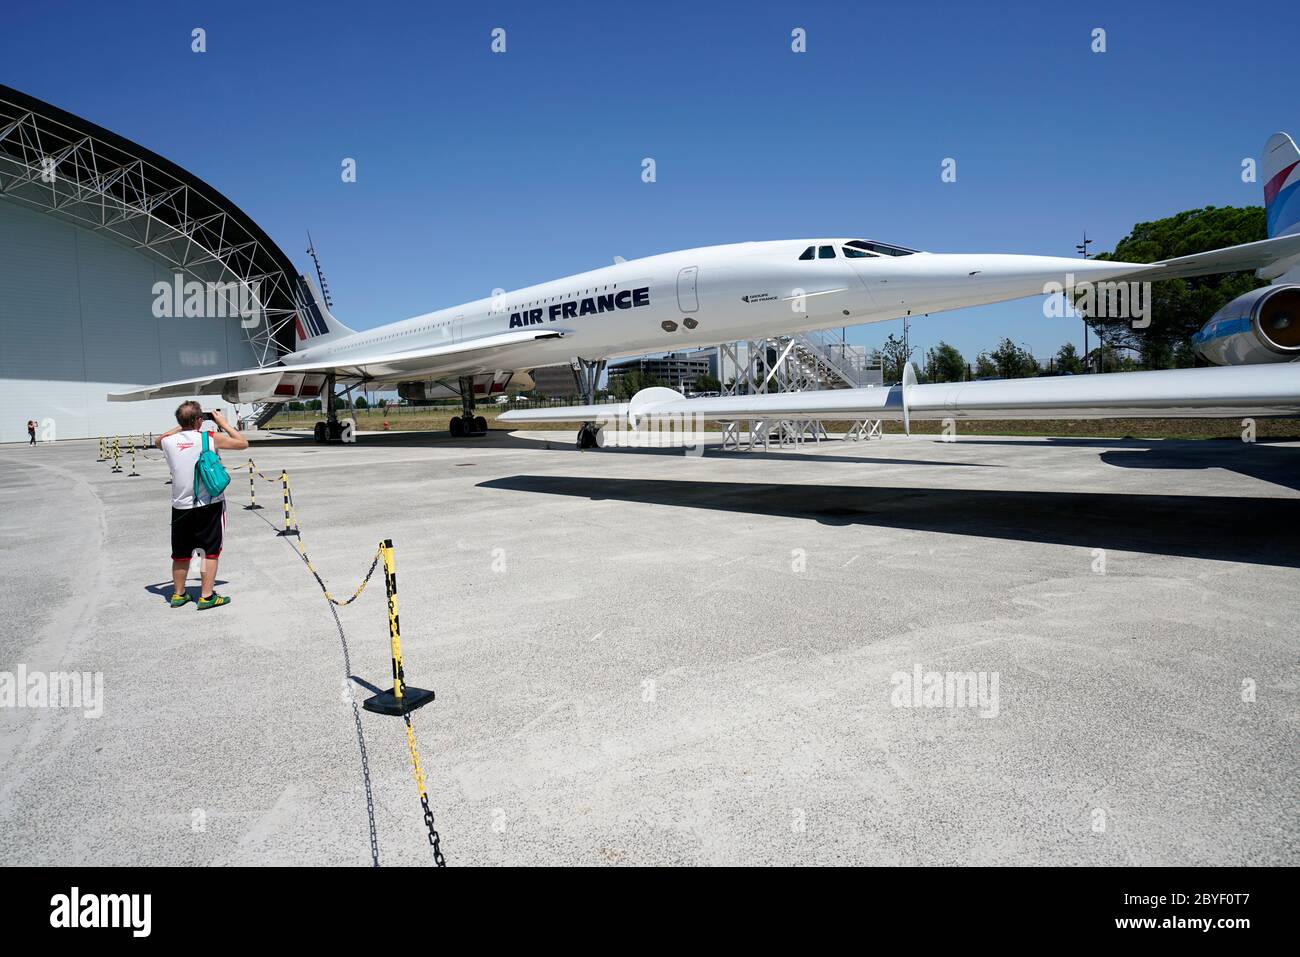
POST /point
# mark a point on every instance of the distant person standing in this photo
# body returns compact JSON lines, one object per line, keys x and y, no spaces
{"x":198,"y":520}
{"x":31,"y":431}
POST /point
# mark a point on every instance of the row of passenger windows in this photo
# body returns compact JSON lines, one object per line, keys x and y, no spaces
{"x":352,"y":344}
{"x":856,"y":249}
{"x":407,"y":332}
{"x":566,"y":295}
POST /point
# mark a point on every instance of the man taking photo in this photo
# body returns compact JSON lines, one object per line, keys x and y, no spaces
{"x":198,"y":521}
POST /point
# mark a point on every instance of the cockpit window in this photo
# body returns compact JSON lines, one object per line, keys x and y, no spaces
{"x":883,"y":249}
{"x":825,"y":252}
{"x":807,"y":253}
{"x":852,"y":252}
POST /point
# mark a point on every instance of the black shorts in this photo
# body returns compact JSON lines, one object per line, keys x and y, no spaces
{"x":198,"y":528}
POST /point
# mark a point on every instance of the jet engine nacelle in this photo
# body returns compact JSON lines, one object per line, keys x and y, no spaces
{"x":252,"y":388}
{"x":275,"y":385}
{"x":421,"y":391}
{"x":1261,"y":326}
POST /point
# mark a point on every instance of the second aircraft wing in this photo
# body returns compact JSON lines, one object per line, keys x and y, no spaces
{"x":1261,"y":390}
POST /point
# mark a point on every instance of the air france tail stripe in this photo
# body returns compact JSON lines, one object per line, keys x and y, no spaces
{"x":317,"y":322}
{"x":1274,"y":185}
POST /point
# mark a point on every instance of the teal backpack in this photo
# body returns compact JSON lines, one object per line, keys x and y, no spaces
{"x":209,"y":471}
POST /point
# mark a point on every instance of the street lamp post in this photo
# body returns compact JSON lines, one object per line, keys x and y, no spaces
{"x":1082,"y":249}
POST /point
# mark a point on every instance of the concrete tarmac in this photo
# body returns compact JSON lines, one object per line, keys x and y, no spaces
{"x":905,"y":651}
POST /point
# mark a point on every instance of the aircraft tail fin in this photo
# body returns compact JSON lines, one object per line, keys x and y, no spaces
{"x":1281,"y":174}
{"x":314,"y":322}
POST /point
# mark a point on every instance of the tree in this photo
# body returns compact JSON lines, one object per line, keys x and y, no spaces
{"x":984,"y":367}
{"x":631,"y":382}
{"x":1179,"y":307}
{"x":1106,"y":358}
{"x":944,"y":363}
{"x":1067,"y":359}
{"x":893,"y":356}
{"x":707,"y":383}
{"x":1013,"y":361}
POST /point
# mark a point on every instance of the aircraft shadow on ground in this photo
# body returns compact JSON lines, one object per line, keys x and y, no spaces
{"x":1268,"y":463}
{"x":714,"y":452}
{"x":1222,"y":528}
{"x":1277,"y":464}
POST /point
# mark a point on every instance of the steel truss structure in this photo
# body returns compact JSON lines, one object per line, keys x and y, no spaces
{"x":65,"y":166}
{"x":795,"y":363}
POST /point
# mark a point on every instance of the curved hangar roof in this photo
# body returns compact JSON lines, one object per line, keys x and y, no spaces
{"x":63,"y":165}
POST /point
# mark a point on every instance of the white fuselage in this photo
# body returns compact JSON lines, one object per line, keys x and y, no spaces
{"x":701,"y":297}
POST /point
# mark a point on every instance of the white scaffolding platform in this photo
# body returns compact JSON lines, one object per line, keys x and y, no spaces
{"x":795,"y":363}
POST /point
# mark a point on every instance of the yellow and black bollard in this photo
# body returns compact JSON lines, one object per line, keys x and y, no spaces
{"x":133,"y":473}
{"x":401,"y":699}
{"x":117,"y":451}
{"x":103,"y":451}
{"x":288,"y":525}
{"x":252,"y":505}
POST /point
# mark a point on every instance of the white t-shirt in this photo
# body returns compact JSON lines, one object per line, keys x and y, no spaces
{"x":182,"y":453}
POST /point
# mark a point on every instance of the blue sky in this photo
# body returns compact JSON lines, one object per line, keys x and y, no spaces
{"x":477,"y":170}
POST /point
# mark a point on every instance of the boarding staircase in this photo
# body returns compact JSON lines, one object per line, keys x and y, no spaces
{"x":264,"y":412}
{"x":803,"y":361}
{"x":826,"y":361}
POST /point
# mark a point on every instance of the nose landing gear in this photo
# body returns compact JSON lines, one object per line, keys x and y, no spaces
{"x":586,"y":375}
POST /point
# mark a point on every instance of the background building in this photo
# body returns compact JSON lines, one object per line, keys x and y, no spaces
{"x":554,"y":382}
{"x":677,"y":370}
{"x":89,"y":224}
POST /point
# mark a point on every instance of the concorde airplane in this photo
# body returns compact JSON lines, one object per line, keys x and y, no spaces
{"x":715,"y":294}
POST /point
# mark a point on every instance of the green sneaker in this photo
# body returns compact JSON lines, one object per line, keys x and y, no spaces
{"x":213,"y":601}
{"x":182,"y":599}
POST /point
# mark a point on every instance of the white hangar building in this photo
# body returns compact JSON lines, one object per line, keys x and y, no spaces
{"x":90,"y":225}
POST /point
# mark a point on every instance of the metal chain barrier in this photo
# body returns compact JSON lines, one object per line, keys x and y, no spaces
{"x":384,"y":552}
{"x":404,"y":701}
{"x":399,"y":692}
{"x":252,"y":505}
{"x":291,"y":509}
{"x":334,"y":605}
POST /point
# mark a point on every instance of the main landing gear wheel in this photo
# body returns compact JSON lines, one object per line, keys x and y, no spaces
{"x":327,"y":432}
{"x":466,"y":427}
{"x":588,"y":436}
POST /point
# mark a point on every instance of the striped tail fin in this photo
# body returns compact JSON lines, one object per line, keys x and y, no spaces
{"x":1281,"y":173}
{"x":314,"y":323}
